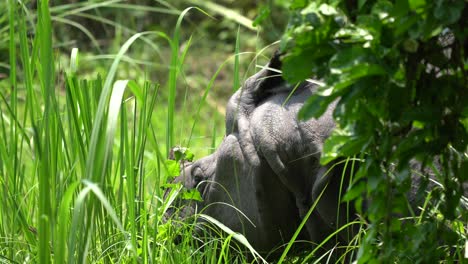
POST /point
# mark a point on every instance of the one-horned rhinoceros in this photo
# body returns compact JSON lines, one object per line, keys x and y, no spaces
{"x":267,"y":166}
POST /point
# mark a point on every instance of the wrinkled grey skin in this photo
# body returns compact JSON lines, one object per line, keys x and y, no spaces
{"x":268,"y":166}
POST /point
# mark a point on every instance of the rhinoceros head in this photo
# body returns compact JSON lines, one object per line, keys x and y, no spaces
{"x":264,"y":175}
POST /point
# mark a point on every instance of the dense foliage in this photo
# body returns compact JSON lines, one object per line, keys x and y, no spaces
{"x":399,"y":71}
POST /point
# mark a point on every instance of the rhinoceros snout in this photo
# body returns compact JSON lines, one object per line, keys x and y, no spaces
{"x":193,"y":176}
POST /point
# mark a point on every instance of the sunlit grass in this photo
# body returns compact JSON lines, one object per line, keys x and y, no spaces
{"x":80,"y":160}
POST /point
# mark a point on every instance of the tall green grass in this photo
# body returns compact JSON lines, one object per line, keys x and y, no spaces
{"x":81,"y":162}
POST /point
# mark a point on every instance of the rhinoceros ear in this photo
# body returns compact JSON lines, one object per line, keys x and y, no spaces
{"x":273,"y":74}
{"x":269,"y":80}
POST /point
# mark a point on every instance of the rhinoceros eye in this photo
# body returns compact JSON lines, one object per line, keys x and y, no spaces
{"x":198,"y":175}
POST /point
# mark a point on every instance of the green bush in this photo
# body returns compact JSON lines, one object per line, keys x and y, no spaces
{"x":399,"y":72}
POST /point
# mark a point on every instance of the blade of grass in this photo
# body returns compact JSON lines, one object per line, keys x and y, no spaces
{"x":213,"y":134}
{"x":223,"y":258}
{"x":239,"y":237}
{"x":82,"y":28}
{"x":172,"y":85}
{"x":77,"y":8}
{"x":62,"y":229}
{"x":184,"y":114}
{"x":226,"y":12}
{"x":46,"y":75}
{"x":103,"y":101}
{"x":115,"y":105}
{"x":301,"y":226}
{"x":236,"y":83}
{"x":13,"y":99}
{"x":328,"y":238}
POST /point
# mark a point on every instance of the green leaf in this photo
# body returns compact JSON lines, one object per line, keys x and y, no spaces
{"x":192,"y":194}
{"x":182,"y":154}
{"x":342,"y":144}
{"x":382,"y":9}
{"x":361,"y":3}
{"x":296,"y":67}
{"x":315,"y":106}
{"x":349,"y":58}
{"x":263,"y":13}
{"x":331,"y":147}
{"x":401,"y":8}
{"x":410,"y":45}
{"x":351,"y":75}
{"x":449,"y":13}
{"x":355,"y":191}
{"x":364,"y":70}
{"x":404,"y":24}
{"x":173,"y":168}
{"x":354,"y":35}
{"x":296,"y":4}
{"x":372,"y":26}
{"x":355,"y":146}
{"x":328,"y":10}
{"x":417,"y":5}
